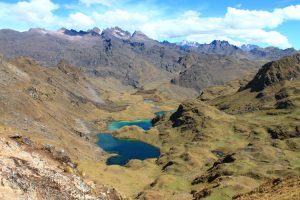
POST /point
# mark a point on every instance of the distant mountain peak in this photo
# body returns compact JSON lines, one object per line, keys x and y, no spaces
{"x":95,"y":31}
{"x":219,"y":42}
{"x":38,"y":30}
{"x":139,"y":35}
{"x":72,"y":32}
{"x":186,"y":43}
{"x":249,"y":47}
{"x":118,"y":33}
{"x":62,"y":29}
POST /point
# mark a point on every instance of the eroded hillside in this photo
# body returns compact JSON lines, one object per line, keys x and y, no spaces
{"x":32,"y":172}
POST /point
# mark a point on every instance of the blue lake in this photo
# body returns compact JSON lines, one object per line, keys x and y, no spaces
{"x":144,"y":124}
{"x":126,"y":149}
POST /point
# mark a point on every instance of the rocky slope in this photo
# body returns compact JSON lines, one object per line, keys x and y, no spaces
{"x":275,"y":86}
{"x":287,"y":68}
{"x":276,"y":189}
{"x":272,"y":53}
{"x":27,"y":172}
{"x":105,"y":55}
{"x":202,"y":71}
{"x":223,"y":62}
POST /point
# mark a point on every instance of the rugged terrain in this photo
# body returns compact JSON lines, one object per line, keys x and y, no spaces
{"x":287,"y":188}
{"x":207,"y":70}
{"x":231,"y":139}
{"x":65,"y":108}
{"x":30,"y":172}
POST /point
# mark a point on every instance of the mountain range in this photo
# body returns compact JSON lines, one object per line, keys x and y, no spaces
{"x":136,"y":59}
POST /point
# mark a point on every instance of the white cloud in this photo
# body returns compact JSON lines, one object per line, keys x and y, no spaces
{"x":103,"y":2}
{"x":237,"y":25}
{"x":127,"y":20}
{"x":251,"y":18}
{"x":34,"y":11}
{"x":289,"y":13}
{"x":78,"y":20}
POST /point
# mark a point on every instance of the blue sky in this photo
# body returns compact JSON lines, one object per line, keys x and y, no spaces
{"x":262,"y":22}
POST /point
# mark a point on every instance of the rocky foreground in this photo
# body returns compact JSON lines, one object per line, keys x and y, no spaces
{"x":27,"y":172}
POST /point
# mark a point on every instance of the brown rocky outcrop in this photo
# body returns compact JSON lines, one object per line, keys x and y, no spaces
{"x":27,"y":173}
{"x":287,"y":68}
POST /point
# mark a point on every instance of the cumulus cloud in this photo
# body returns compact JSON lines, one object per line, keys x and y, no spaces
{"x":237,"y":25}
{"x":31,"y":12}
{"x":103,"y":2}
{"x":78,"y":20}
{"x":122,"y":18}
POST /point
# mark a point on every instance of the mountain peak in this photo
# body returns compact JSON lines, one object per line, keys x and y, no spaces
{"x":139,"y":35}
{"x":249,"y":47}
{"x":62,"y":29}
{"x":287,"y":68}
{"x":94,"y":31}
{"x":186,"y":43}
{"x":72,"y":32}
{"x":221,"y":43}
{"x":38,"y":30}
{"x":118,"y":33}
